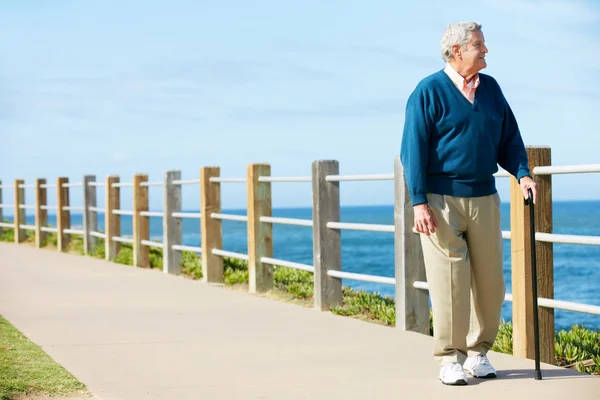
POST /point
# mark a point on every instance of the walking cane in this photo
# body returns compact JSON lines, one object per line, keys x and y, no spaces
{"x":536,"y":332}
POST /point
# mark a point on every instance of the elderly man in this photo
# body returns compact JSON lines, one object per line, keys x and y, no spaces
{"x":458,"y":128}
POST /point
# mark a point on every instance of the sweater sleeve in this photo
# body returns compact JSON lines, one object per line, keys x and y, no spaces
{"x":414,"y":152}
{"x":511,"y":153}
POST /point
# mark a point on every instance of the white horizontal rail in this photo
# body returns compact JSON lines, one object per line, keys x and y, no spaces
{"x":421,"y":285}
{"x":151,"y":243}
{"x":97,"y":209}
{"x":229,"y":217}
{"x":186,"y":181}
{"x":123,"y":212}
{"x":156,"y":183}
{"x":378,"y":177}
{"x":223,"y":253}
{"x":284,"y":179}
{"x":7,"y":206}
{"x":569,"y":306}
{"x":567,"y":169}
{"x":122,"y":184}
{"x":6,"y":225}
{"x":27,"y":227}
{"x":186,"y":215}
{"x":48,"y":229}
{"x":48,"y":185}
{"x":506,"y":235}
{"x":571,"y":239}
{"x":98,"y":234}
{"x":502,"y":174}
{"x":26,"y":186}
{"x":74,"y":231}
{"x":216,"y":179}
{"x":362,"y":277}
{"x":72,"y":208}
{"x":96,"y":184}
{"x":48,"y":207}
{"x":181,"y":247}
{"x":361,"y":227}
{"x":6,"y":186}
{"x":122,"y":239}
{"x":26,"y":207}
{"x":287,"y":221}
{"x":289,"y":264}
{"x":159,"y":214}
{"x":72,"y":184}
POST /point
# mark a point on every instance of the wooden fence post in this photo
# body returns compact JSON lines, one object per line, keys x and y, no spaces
{"x":326,"y":242}
{"x":171,"y":225}
{"x":412,"y":304}
{"x":112,"y":221}
{"x":41,"y":213}
{"x":522,"y":306}
{"x":19,"y":212}
{"x":260,"y":234}
{"x":211,"y":232}
{"x":63,"y":217}
{"x":90,"y":218}
{"x":141,"y":230}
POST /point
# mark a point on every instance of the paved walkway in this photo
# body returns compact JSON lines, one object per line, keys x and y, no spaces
{"x":135,"y":334}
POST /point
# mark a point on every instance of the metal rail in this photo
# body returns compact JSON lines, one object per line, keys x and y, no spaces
{"x":379,"y":177}
{"x":181,"y":247}
{"x":361,"y":227}
{"x":97,"y":209}
{"x":98,"y":234}
{"x":186,"y":215}
{"x":7,"y":205}
{"x":123,"y":212}
{"x":287,"y":221}
{"x":7,"y":225}
{"x":159,"y":214}
{"x":72,"y":208}
{"x":229,"y":217}
{"x":571,"y":239}
{"x":97,"y":184}
{"x":216,"y":179}
{"x":48,"y":229}
{"x":26,"y":186}
{"x":284,"y":179}
{"x":26,"y":207}
{"x":122,"y":184}
{"x":567,"y":169}
{"x":289,"y":264}
{"x":150,"y":243}
{"x":74,"y":231}
{"x":73,"y":184}
{"x":186,"y":182}
{"x":122,"y":239}
{"x":362,"y":277}
{"x":48,"y":207}
{"x":48,"y":185}
{"x":502,"y":174}
{"x":27,"y":227}
{"x":156,"y":183}
{"x":231,"y":254}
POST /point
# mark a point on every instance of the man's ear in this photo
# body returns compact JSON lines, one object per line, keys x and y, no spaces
{"x":456,"y":51}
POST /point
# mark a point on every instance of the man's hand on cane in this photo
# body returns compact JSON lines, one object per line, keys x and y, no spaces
{"x":425,"y":221}
{"x":526,"y":183}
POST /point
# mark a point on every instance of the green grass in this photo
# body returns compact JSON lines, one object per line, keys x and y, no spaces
{"x":26,"y":369}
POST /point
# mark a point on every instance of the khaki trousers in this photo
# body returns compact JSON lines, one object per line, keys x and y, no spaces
{"x":463,"y":263}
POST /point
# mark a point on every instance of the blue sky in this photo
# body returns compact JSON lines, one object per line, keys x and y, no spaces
{"x":119,"y":87}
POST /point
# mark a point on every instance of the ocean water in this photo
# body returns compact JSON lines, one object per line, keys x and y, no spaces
{"x":576,"y":267}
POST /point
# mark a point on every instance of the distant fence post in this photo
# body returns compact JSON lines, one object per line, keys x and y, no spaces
{"x":90,"y":218}
{"x":141,"y":231}
{"x":171,"y":225}
{"x":63,"y":217}
{"x":19,"y":212}
{"x":522,"y":306}
{"x":260,"y":234}
{"x":41,"y":213}
{"x":412,"y":304}
{"x":112,"y":221}
{"x":211,"y":232}
{"x":326,"y":242}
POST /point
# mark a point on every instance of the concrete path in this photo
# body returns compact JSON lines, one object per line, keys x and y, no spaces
{"x":133,"y":334}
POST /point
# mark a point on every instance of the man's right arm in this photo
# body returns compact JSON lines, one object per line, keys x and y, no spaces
{"x":414,"y":152}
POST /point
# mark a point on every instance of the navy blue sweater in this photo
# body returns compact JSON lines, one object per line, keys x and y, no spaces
{"x":452,"y":147}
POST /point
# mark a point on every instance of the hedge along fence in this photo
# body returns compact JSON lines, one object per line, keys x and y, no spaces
{"x":412,"y":301}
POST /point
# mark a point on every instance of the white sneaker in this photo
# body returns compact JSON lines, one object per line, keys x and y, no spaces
{"x":452,"y":374}
{"x":480,"y":367}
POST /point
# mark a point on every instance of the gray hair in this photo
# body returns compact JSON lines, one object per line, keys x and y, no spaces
{"x":456,"y":33}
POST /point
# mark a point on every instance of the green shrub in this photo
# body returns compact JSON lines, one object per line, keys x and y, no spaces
{"x":191,"y":265}
{"x":294,"y":281}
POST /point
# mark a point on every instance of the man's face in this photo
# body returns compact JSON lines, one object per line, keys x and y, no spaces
{"x":473,"y":55}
